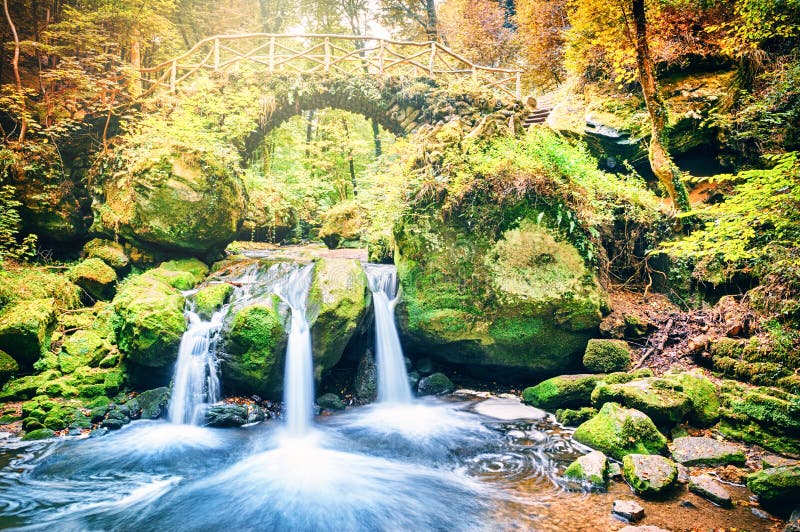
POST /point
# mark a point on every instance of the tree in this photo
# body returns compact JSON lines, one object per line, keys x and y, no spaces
{"x":541,"y":28}
{"x":477,"y":29}
{"x":23,"y":121}
{"x":660,"y":161}
{"x":412,"y":19}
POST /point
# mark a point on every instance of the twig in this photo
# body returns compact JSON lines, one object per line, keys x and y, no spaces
{"x":663,"y":340}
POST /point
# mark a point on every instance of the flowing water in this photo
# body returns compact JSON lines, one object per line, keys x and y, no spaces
{"x":393,"y":384}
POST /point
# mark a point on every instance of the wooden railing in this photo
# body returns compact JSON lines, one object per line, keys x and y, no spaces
{"x":328,"y":53}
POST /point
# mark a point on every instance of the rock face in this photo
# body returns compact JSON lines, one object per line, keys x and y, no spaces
{"x":96,"y":278}
{"x":655,"y":397}
{"x":337,"y":305}
{"x":603,"y":356}
{"x":181,"y":202}
{"x":521,"y":302}
{"x":366,"y":379}
{"x":649,"y":474}
{"x":776,"y":486}
{"x":149,"y":321}
{"x":618,"y":431}
{"x":701,"y":451}
{"x":708,"y":488}
{"x":590,"y":468}
{"x":25,"y":329}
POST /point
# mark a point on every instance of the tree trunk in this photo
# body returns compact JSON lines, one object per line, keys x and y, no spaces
{"x":309,"y":132}
{"x":23,"y":122}
{"x":432,"y":29}
{"x":660,"y":161}
{"x":376,"y":136}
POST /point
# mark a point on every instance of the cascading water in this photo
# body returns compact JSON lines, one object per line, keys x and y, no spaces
{"x":393,"y":384}
{"x":298,"y":382}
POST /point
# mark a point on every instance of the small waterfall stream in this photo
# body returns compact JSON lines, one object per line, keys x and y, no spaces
{"x":298,"y":384}
{"x":393,"y":384}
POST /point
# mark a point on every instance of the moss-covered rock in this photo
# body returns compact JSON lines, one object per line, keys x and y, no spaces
{"x":701,"y":451}
{"x":520,"y":302}
{"x":656,"y":397}
{"x":210,"y":299}
{"x":83,"y":348}
{"x":435,"y":384}
{"x":591,"y":469}
{"x":21,"y":388}
{"x":562,"y":391}
{"x":766,"y":416}
{"x":183,"y":274}
{"x":182,"y":199}
{"x":776,"y":486}
{"x":110,"y":252}
{"x":8,"y":367}
{"x":573,"y":418}
{"x":39,"y":434}
{"x":618,"y":431}
{"x":604,"y":356}
{"x":97,"y":278}
{"x":702,"y":393}
{"x":337,"y":305}
{"x":255,"y":347}
{"x":342,"y":222}
{"x":25,"y":329}
{"x":649,"y":474}
{"x":149,"y":321}
{"x":25,"y":283}
{"x":152,"y":404}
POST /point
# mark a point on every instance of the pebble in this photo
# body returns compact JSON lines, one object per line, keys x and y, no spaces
{"x":628,"y":510}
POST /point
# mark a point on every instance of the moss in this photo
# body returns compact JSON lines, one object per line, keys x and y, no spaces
{"x":96,"y":277}
{"x":113,"y":382}
{"x":703,"y":394}
{"x":175,"y":279}
{"x":38,"y":434}
{"x":618,"y":431}
{"x":8,"y":367}
{"x":573,"y":418}
{"x":25,"y":329}
{"x":90,"y":391}
{"x":255,"y":348}
{"x":655,"y":397}
{"x":603,"y":356}
{"x":210,"y":298}
{"x":21,"y":388}
{"x":112,"y":253}
{"x":742,"y":430}
{"x":26,"y":283}
{"x":344,"y":221}
{"x":149,"y":321}
{"x":337,"y":305}
{"x":591,"y":468}
{"x":198,"y":269}
{"x":649,"y":475}
{"x":62,"y":416}
{"x":623,"y":377}
{"x":562,"y":391}
{"x":776,"y":486}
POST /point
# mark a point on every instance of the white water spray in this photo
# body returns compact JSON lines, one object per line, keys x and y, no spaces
{"x":393,"y":384}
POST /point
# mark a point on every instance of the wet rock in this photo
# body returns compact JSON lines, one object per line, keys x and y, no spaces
{"x":770,"y":460}
{"x":562,"y":391}
{"x":653,"y":396}
{"x":115,"y":420}
{"x":435,"y":384}
{"x":761,"y":514}
{"x":39,"y":434}
{"x":366,"y":380}
{"x":708,"y":488}
{"x":330,"y":401}
{"x":508,"y":408}
{"x":226,"y":415}
{"x":777,"y":485}
{"x":683,"y":474}
{"x":413,"y":379}
{"x":687,"y":504}
{"x":702,"y":393}
{"x":604,"y":356}
{"x":96,"y":278}
{"x":793,"y":523}
{"x":619,"y":431}
{"x":614,"y":470}
{"x":255,"y":414}
{"x":153,"y":403}
{"x":25,"y":329}
{"x":649,"y":474}
{"x":573,"y":418}
{"x":702,"y":451}
{"x":590,"y":468}
{"x":210,"y":299}
{"x":97,"y":433}
{"x":628,"y":510}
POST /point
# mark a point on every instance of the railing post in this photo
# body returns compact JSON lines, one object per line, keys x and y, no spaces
{"x":474,"y":74}
{"x":173,"y":76}
{"x":433,"y":58}
{"x":518,"y":91}
{"x":327,"y":54}
{"x":216,"y":54}
{"x":272,"y":54}
{"x":380,"y":58}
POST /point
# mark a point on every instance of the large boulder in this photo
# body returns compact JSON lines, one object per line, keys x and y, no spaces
{"x":255,"y":345}
{"x":655,"y":397}
{"x":110,"y":252}
{"x":702,"y":451}
{"x":591,"y":469}
{"x":96,"y":278}
{"x":211,"y":298}
{"x":779,"y":485}
{"x":337,"y":305}
{"x":619,"y":431}
{"x":521,"y":302}
{"x":562,"y":391}
{"x":179,"y":200}
{"x":149,"y":321}
{"x":649,"y":474}
{"x":8,"y":367}
{"x":25,"y":329}
{"x":603,"y":356}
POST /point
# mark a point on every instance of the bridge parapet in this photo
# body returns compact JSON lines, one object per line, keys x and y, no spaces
{"x":349,"y":55}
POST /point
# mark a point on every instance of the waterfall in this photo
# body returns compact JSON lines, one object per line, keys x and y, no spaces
{"x":298,"y":381}
{"x":392,"y":375}
{"x":196,"y":382}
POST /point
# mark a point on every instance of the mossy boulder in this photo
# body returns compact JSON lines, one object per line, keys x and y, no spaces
{"x":656,"y":397}
{"x":179,"y":199}
{"x":8,"y":367}
{"x":604,"y":356}
{"x":152,"y":404}
{"x":254,"y":347}
{"x":562,"y":391}
{"x":21,"y":388}
{"x":83,"y":348}
{"x":766,"y":416}
{"x":776,"y":486}
{"x":210,"y":299}
{"x":435,"y":384}
{"x":702,"y":393}
{"x":98,"y":279}
{"x":342,"y":222}
{"x":649,"y":475}
{"x":183,"y":274}
{"x":149,"y":321}
{"x":702,"y":451}
{"x":572,"y":418}
{"x":618,"y":431}
{"x":110,"y":252}
{"x":39,"y":434}
{"x":591,"y":469}
{"x":337,"y":305}
{"x":521,"y":302}
{"x":25,"y":329}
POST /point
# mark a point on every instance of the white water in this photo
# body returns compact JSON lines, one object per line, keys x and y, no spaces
{"x":393,"y":384}
{"x":298,"y":381}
